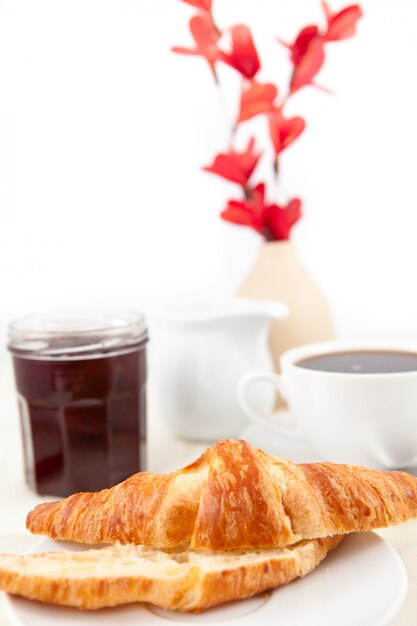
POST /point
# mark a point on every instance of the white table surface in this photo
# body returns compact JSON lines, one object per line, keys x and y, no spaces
{"x":165,"y":453}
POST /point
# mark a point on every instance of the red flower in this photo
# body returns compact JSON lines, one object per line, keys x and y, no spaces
{"x":309,"y":65}
{"x":249,"y":212}
{"x":256,"y":98}
{"x":235,"y":166}
{"x":243,"y":55}
{"x":272,"y":221}
{"x":204,"y":5}
{"x":206,"y":37}
{"x":341,"y":25}
{"x":283,"y":131}
{"x":307,"y":55}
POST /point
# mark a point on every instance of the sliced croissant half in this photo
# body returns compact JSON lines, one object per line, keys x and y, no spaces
{"x":184,"y":581}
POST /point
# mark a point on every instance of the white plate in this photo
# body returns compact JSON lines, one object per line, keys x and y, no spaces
{"x":361,"y":583}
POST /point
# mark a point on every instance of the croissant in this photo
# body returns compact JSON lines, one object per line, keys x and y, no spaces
{"x":183,"y":581}
{"x":233,"y":497}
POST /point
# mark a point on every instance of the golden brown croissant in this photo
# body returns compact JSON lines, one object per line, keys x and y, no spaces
{"x":233,"y":497}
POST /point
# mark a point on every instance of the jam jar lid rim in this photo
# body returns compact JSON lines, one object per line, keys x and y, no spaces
{"x":57,"y":333}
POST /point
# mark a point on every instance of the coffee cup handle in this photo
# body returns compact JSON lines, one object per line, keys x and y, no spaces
{"x":265,"y":420}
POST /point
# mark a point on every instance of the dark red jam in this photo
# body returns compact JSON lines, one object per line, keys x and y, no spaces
{"x":83,"y":418}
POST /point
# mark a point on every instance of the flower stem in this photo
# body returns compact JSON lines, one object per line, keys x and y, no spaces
{"x":248,"y":192}
{"x":216,"y":28}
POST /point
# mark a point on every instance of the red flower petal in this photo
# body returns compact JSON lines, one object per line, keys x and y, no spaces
{"x":277,"y":224}
{"x":226,"y":167}
{"x":284,"y":131}
{"x":279,"y":220}
{"x":308,"y":65}
{"x":248,"y":212}
{"x":238,"y":213}
{"x":301,"y":43}
{"x":259,"y":207}
{"x":243,"y":56}
{"x":182,"y":50}
{"x":206,"y":37}
{"x":235,"y":166}
{"x":204,"y":5}
{"x":341,"y":25}
{"x":294,"y":210}
{"x":256,"y":98}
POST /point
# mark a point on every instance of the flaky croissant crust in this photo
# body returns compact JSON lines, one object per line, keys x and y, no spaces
{"x":233,"y":497}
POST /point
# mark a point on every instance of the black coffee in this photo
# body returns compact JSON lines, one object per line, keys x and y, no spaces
{"x":362,"y":362}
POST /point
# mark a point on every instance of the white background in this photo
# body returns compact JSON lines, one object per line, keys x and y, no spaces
{"x":103,"y":132}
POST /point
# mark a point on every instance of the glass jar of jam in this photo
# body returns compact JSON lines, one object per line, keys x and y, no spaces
{"x":81,"y":385}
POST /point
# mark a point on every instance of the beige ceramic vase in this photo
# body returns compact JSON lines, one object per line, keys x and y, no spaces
{"x":278,"y":274}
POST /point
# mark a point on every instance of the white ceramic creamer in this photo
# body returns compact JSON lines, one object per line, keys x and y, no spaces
{"x":197,"y":354}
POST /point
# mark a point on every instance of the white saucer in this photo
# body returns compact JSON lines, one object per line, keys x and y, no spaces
{"x":294,"y":450}
{"x":270,"y":441}
{"x":363,"y":582}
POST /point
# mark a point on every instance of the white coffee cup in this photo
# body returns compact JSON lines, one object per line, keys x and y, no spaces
{"x":358,"y":418}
